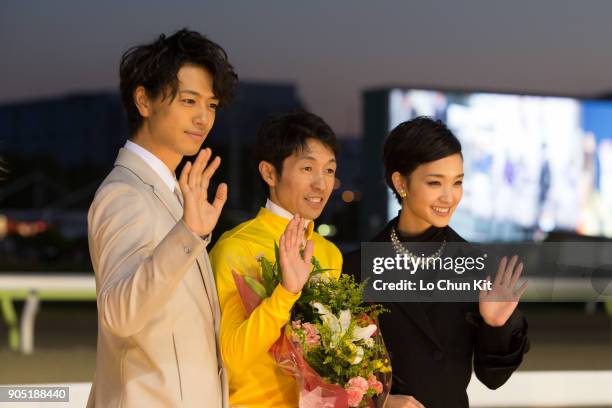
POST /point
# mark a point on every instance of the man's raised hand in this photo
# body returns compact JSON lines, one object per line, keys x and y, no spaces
{"x":200,"y":215}
{"x":295,"y":268}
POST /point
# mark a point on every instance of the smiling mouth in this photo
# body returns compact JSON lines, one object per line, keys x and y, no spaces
{"x":314,"y":200}
{"x":442,"y":211}
{"x":195,"y":135}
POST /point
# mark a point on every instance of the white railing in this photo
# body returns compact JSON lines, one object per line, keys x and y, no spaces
{"x":32,"y":288}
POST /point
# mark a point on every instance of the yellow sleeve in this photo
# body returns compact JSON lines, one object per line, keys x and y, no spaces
{"x":245,"y":339}
{"x":330,"y":257}
{"x":337,"y":257}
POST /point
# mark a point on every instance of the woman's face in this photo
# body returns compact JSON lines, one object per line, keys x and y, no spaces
{"x":433,"y":191}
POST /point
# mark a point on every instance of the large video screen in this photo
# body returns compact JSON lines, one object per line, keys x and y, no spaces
{"x":533,"y":164}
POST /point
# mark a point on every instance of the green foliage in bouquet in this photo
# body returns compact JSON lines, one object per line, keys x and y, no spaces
{"x":271,"y":274}
{"x":345,"y":348}
{"x":336,"y":330}
{"x":337,"y":295}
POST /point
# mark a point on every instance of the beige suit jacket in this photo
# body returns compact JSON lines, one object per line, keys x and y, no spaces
{"x":158,"y":313}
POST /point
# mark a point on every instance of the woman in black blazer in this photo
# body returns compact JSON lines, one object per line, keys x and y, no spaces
{"x":434,"y":346}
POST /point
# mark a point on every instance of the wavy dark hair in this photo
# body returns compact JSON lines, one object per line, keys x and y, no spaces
{"x":155,"y":66}
{"x":415,"y":142}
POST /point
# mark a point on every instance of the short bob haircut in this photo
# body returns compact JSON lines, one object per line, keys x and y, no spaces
{"x":281,"y":136}
{"x":416,"y":142}
{"x":155,"y":67}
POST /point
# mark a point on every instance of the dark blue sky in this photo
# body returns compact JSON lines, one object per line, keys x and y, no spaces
{"x":331,"y":49}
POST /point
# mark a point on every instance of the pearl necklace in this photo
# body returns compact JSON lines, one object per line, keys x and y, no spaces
{"x":400,"y":249}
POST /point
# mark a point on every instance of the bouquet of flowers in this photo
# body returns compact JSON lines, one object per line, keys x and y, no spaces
{"x":333,"y":345}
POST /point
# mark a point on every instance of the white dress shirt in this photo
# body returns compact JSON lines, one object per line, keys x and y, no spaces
{"x":280,"y":211}
{"x":155,"y":163}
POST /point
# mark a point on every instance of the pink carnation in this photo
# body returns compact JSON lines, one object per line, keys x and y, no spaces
{"x":354,"y":397}
{"x":312,"y":335}
{"x":375,"y":384}
{"x":359,"y":383}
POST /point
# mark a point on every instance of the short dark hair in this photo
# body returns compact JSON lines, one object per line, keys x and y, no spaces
{"x":281,"y":136}
{"x":416,"y":142}
{"x":155,"y":67}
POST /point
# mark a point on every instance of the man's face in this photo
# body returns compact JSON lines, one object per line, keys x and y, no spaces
{"x":176,"y":128}
{"x":306,"y":181}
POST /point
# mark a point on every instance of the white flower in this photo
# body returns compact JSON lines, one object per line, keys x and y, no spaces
{"x":358,"y":355}
{"x":364,"y":333}
{"x":340,"y":325}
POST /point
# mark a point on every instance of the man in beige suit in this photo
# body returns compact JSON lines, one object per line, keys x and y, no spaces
{"x":158,"y":312}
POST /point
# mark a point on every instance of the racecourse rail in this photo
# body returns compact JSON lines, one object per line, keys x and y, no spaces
{"x":36,"y":287}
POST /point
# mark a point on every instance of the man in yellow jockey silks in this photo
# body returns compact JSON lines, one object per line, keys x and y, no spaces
{"x":296,"y":156}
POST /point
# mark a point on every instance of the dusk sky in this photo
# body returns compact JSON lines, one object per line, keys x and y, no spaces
{"x":332,"y":50}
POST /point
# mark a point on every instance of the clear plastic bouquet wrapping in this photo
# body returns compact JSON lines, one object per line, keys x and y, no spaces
{"x":333,"y":346}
